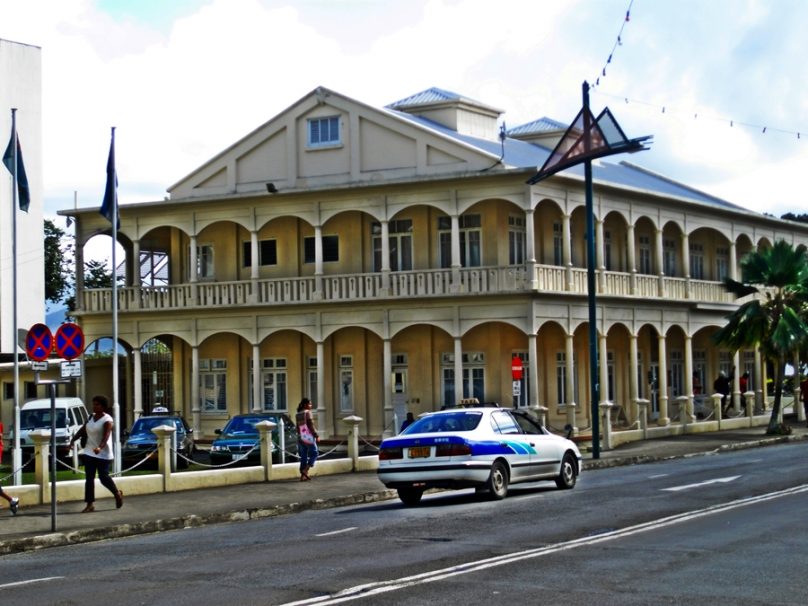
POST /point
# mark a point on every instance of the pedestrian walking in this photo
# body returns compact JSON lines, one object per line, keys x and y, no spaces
{"x":98,"y":453}
{"x":307,"y":438}
{"x":12,"y":502}
{"x":722,"y":386}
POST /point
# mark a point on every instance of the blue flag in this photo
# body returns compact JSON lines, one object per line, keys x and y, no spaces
{"x":109,"y":207}
{"x":23,"y":191}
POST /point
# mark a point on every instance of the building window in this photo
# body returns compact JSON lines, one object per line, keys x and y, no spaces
{"x":267,"y":253}
{"x":676,"y":374}
{"x":640,"y":377}
{"x":204,"y":261}
{"x":400,"y":241}
{"x":213,"y":385}
{"x":330,"y":249}
{"x":473,"y":377}
{"x":669,"y":257}
{"x":697,"y":261}
{"x":610,"y":394}
{"x":699,"y":372}
{"x":516,"y":240}
{"x":311,"y":373}
{"x":558,"y":244}
{"x":346,"y":403}
{"x":721,"y":264}
{"x":645,"y":255}
{"x":273,"y":381}
{"x":470,"y":240}
{"x":324,"y":131}
{"x":607,"y":250}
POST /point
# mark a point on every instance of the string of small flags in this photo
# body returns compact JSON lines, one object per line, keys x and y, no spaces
{"x":667,"y":110}
{"x":618,"y":42}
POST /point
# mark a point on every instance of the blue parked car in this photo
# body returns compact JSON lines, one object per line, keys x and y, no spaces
{"x":240,"y":437}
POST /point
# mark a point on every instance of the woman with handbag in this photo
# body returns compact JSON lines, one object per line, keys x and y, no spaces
{"x":307,"y":438}
{"x":98,"y":453}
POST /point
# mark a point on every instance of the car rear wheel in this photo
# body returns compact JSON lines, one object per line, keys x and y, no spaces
{"x":497,"y":484}
{"x":410,"y":496}
{"x":569,"y":475}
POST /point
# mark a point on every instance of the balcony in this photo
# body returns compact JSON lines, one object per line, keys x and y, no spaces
{"x":402,"y":285}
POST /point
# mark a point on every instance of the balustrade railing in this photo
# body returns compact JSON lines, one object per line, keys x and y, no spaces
{"x":399,"y":285}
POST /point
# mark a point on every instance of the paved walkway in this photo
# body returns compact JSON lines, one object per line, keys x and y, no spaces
{"x":32,"y":527}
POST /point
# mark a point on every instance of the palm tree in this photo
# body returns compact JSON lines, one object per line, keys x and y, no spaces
{"x":773,"y":319}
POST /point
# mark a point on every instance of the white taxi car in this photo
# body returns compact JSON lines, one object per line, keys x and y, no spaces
{"x":484,"y":448}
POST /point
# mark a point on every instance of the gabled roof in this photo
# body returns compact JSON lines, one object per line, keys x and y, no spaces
{"x":437,"y":96}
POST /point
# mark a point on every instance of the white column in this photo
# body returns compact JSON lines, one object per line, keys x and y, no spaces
{"x":458,"y":368}
{"x":634,"y":387}
{"x":530,"y":237}
{"x":135,"y":263}
{"x":192,"y":271}
{"x":663,"y":383}
{"x":600,"y":262}
{"x":737,"y":401}
{"x":257,"y":384}
{"x":387,"y":372}
{"x":759,"y":378}
{"x":566,"y":242}
{"x":137,"y":371}
{"x":570,"y":382}
{"x":321,"y":428}
{"x":686,"y":263}
{"x":196,"y":410}
{"x":660,"y":266}
{"x":318,"y":261}
{"x":255,"y":262}
{"x":733,"y":261}
{"x":385,"y":254}
{"x":533,"y":369}
{"x":631,"y":254}
{"x":689,"y":370}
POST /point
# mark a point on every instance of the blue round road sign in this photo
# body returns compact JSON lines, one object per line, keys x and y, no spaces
{"x":69,"y":341}
{"x":38,"y":342}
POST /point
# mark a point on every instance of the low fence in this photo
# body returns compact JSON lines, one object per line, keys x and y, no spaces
{"x":168,"y":480}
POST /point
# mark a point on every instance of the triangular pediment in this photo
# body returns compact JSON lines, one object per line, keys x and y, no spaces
{"x":326,"y":139}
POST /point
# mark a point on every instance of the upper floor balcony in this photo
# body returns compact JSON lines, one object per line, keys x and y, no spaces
{"x":400,"y":285}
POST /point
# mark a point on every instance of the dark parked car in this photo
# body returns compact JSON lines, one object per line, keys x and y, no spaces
{"x":140,"y":441}
{"x":240,"y":437}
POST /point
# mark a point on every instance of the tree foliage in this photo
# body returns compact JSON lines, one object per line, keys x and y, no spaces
{"x":773,"y":318}
{"x":59,"y":255}
{"x":96,"y":275}
{"x":801,"y":218}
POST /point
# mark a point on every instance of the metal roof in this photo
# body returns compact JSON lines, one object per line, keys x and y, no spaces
{"x":434,"y":95}
{"x":542,"y":125}
{"x":522,"y":154}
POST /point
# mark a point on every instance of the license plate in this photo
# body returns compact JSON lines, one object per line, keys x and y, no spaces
{"x":419,"y":452}
{"x":236,"y":457}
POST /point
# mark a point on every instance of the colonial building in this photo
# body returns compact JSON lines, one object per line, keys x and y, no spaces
{"x":383,"y":260}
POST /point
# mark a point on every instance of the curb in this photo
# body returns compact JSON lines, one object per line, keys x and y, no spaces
{"x":76,"y":537}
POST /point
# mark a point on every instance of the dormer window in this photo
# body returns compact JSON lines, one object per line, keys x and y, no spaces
{"x":324,"y":131}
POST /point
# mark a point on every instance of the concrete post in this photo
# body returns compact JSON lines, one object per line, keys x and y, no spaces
{"x":164,"y":435}
{"x":541,"y":413}
{"x":41,"y":439}
{"x":716,"y":398}
{"x":685,"y":410}
{"x":606,"y":415}
{"x":749,"y":403}
{"x":642,"y":413}
{"x":265,"y":429}
{"x":353,"y":439}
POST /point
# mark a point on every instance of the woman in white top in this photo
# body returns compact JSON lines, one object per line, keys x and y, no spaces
{"x":98,"y":453}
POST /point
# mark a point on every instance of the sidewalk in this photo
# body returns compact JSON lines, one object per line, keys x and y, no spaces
{"x":31,"y":528}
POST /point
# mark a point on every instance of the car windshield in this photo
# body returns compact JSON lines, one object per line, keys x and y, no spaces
{"x":446,"y":422}
{"x":145,"y":426}
{"x":41,"y":418}
{"x":244,"y":425}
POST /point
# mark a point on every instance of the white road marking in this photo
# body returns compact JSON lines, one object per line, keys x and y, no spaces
{"x":371,"y":589}
{"x":333,"y":532}
{"x":659,"y":475}
{"x":29,"y":582}
{"x":705,"y":483}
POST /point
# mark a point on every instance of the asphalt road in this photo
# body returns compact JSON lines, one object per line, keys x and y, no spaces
{"x":706,"y":530}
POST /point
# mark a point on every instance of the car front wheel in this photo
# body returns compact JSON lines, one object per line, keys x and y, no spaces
{"x":497,"y":484}
{"x":568,"y":476}
{"x":410,"y":496}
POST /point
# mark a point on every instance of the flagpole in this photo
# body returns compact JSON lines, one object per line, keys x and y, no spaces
{"x":16,"y":455}
{"x":116,"y":407}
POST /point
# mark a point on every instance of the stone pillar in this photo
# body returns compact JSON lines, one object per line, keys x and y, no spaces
{"x":456,"y":265}
{"x":137,"y":371}
{"x":41,"y":440}
{"x":353,"y":439}
{"x":322,"y":429}
{"x":642,"y":407}
{"x":257,"y":387}
{"x":530,"y":248}
{"x":606,"y":415}
{"x":569,"y":385}
{"x":533,"y":371}
{"x":566,"y":228}
{"x":318,"y":263}
{"x":385,"y":268}
{"x":196,"y":405}
{"x":165,"y":434}
{"x":458,"y":369}
{"x":631,"y":249}
{"x":390,"y":428}
{"x":265,"y":429}
{"x":664,"y":419}
{"x":689,"y":371}
{"x":136,"y":264}
{"x":634,"y":388}
{"x":255,"y":261}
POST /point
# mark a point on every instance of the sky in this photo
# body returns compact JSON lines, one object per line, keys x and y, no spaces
{"x":181,"y":80}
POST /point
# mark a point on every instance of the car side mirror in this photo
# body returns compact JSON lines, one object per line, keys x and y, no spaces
{"x":218,"y":432}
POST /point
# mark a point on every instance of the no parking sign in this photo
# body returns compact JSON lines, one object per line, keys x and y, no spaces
{"x":69,"y":341}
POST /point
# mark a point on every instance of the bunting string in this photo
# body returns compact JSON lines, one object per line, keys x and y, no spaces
{"x":617,"y":42}
{"x":731,"y":122}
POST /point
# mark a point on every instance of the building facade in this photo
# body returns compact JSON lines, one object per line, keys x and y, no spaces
{"x":385,"y":260}
{"x":21,"y":78}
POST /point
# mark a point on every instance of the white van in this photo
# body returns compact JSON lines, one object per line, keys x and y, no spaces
{"x":71,"y":414}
